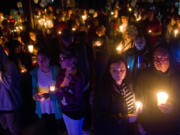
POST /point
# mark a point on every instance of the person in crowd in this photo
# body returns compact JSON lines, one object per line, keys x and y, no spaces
{"x":158,"y":117}
{"x":70,"y":84}
{"x":10,"y":95}
{"x":153,"y":29}
{"x":170,"y":27}
{"x":114,"y":101}
{"x":43,"y":86}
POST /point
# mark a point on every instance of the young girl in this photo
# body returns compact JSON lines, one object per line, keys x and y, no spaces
{"x":43,"y":81}
{"x":70,"y":85}
{"x":114,"y":101}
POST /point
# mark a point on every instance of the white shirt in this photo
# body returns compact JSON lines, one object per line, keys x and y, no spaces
{"x":44,"y":82}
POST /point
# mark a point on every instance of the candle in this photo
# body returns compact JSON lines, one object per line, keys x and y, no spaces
{"x":139,"y":106}
{"x":84,"y":17}
{"x":130,"y":9}
{"x":119,"y":48}
{"x":176,"y":31}
{"x":23,"y":69}
{"x":31,"y":48}
{"x":52,"y":86}
{"x":121,"y":28}
{"x":162,"y":98}
{"x":150,"y":31}
{"x":73,"y":29}
{"x":138,"y":18}
{"x":97,"y":43}
{"x":59,"y":32}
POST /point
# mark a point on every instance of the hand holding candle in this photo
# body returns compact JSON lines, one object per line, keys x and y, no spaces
{"x":163,"y":105}
{"x":31,"y":48}
{"x":52,"y":87}
{"x":162,"y":98}
{"x":139,"y":107}
{"x":97,"y":43}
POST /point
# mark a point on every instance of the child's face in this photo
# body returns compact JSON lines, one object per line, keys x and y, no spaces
{"x":118,"y":71}
{"x":43,"y":61}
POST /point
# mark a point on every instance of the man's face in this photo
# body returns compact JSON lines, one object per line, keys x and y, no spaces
{"x":161,"y":61}
{"x":140,"y":43}
{"x":118,"y":71}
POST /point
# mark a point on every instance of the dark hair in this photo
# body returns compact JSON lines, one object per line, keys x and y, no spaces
{"x":44,"y":52}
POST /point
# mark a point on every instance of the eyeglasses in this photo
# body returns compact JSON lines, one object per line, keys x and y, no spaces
{"x":161,"y":59}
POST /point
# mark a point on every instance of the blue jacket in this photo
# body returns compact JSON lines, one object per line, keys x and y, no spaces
{"x":35,"y":89}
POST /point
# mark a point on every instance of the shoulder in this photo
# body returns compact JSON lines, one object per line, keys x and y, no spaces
{"x":34,"y":71}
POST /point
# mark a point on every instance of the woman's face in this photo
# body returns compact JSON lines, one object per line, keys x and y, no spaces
{"x":66,"y":63}
{"x":43,"y":61}
{"x":118,"y":71}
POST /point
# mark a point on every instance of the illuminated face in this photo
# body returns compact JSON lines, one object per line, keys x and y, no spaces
{"x":32,"y":36}
{"x":66,"y":63}
{"x":161,"y":61}
{"x":140,"y":43}
{"x":118,"y":71}
{"x":43,"y":61}
{"x":124,"y":20}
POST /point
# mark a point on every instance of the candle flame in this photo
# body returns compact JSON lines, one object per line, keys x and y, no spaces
{"x":119,"y":48}
{"x":130,"y":9}
{"x":31,"y":48}
{"x":162,"y":98}
{"x":139,"y":106}
{"x":176,"y":31}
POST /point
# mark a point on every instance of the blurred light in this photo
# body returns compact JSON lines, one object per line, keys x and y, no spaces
{"x":162,"y":98}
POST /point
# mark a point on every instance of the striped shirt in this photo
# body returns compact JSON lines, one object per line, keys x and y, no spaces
{"x":128,"y":95}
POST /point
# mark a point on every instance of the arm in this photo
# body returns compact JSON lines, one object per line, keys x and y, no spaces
{"x":6,"y":77}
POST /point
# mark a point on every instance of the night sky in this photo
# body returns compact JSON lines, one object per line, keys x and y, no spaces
{"x":6,"y":5}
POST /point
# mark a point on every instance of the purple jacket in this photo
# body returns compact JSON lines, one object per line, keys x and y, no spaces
{"x":73,"y":95}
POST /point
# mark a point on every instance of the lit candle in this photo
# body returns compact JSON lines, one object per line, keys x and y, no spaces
{"x":150,"y":31}
{"x":138,"y":18}
{"x":52,"y":88}
{"x":73,"y":29}
{"x":97,"y":43}
{"x":119,"y":48}
{"x":31,"y":48}
{"x":130,"y":9}
{"x":121,"y":28}
{"x":176,"y":31}
{"x":23,"y":69}
{"x":59,"y":32}
{"x":139,"y":106}
{"x":84,"y":17}
{"x":162,"y":98}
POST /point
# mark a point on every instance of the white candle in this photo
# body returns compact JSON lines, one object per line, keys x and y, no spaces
{"x":139,"y":106}
{"x":59,"y":32}
{"x":73,"y":29}
{"x":31,"y":48}
{"x":119,"y":48}
{"x":52,"y":88}
{"x":130,"y":9}
{"x":176,"y":32}
{"x":98,"y":43}
{"x":162,"y":98}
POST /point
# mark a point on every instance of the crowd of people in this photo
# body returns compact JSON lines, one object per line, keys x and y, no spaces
{"x":102,"y":72}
